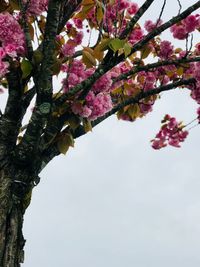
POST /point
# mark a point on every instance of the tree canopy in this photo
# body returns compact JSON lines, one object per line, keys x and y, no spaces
{"x":67,"y":66}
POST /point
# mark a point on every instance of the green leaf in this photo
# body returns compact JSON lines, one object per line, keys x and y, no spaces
{"x":99,"y":14}
{"x":88,"y":59}
{"x":145,"y":51}
{"x":37,"y":57}
{"x":73,"y":121}
{"x":116,"y":44}
{"x":87,"y":125}
{"x":56,"y":66}
{"x":26,"y":68}
{"x":127,"y":49}
{"x":65,"y":141}
{"x":180,"y":71}
{"x":102,"y":45}
{"x":134,"y":111}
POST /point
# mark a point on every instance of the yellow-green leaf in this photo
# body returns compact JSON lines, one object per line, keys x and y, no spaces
{"x":88,"y":59}
{"x":103,"y":45}
{"x":31,"y":31}
{"x":85,"y":10}
{"x":87,"y":125}
{"x":116,"y":44}
{"x":37,"y":57}
{"x":127,"y":49}
{"x":26,"y":68}
{"x":99,"y":14}
{"x":64,"y":142}
{"x":87,"y":2}
{"x":180,"y":71}
{"x":134,"y":111}
{"x":74,"y":122}
{"x":56,"y":66}
{"x":145,"y":52}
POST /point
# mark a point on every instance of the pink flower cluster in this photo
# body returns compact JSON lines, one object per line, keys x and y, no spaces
{"x":147,"y":80}
{"x":150,"y":25}
{"x":76,"y":73}
{"x":98,"y":100}
{"x":115,"y":12}
{"x":197,"y":49}
{"x":171,"y":133}
{"x":68,"y":49}
{"x":136,"y":35}
{"x":11,"y":32}
{"x":36,"y":7}
{"x":11,"y":40}
{"x":182,"y":29}
{"x":95,"y":106}
{"x":195,"y":93}
{"x":198,"y":113}
{"x":166,"y":50}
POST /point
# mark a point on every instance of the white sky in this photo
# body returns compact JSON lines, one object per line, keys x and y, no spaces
{"x":114,"y":201}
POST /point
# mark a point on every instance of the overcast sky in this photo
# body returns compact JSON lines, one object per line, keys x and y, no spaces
{"x":113,"y":201}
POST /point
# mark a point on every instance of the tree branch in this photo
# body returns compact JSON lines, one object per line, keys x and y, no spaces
{"x":176,"y":62}
{"x":159,"y":30}
{"x":68,"y":8}
{"x":143,"y":95}
{"x":43,"y":86}
{"x":135,"y":19}
{"x":53,"y":151}
{"x":109,"y":61}
{"x":13,"y":113}
{"x":26,"y":30}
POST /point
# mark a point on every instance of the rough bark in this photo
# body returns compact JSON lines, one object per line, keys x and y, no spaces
{"x":14,"y":199}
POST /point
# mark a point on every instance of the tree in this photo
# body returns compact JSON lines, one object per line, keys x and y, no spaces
{"x":106,"y":62}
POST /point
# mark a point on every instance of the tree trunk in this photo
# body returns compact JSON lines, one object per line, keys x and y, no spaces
{"x":13,"y":196}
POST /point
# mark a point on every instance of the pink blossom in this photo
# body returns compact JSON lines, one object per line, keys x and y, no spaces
{"x":11,"y":33}
{"x":86,"y":112}
{"x":73,"y":79}
{"x":133,"y":8}
{"x":136,"y":35}
{"x":90,"y":98}
{"x":198,"y":113}
{"x":68,"y":26}
{"x":94,"y":107}
{"x":77,"y":108}
{"x":36,"y":7}
{"x":158,"y":144}
{"x":68,"y":49}
{"x":78,"y":38}
{"x":2,"y":53}
{"x":179,"y":32}
{"x":10,"y":50}
{"x":103,"y":84}
{"x":145,"y":108}
{"x":191,"y":23}
{"x":197,"y":71}
{"x":3,"y":68}
{"x":195,"y":94}
{"x":171,"y":133}
{"x":78,"y":23}
{"x":101,"y":104}
{"x":166,"y":49}
{"x":150,"y":25}
{"x":197,"y":49}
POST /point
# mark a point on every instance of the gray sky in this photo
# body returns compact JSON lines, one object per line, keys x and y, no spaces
{"x":114,"y":201}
